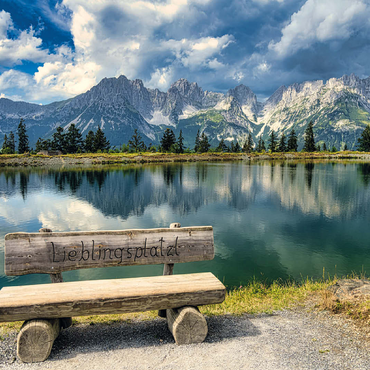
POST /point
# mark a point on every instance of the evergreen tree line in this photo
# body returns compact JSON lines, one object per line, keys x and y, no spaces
{"x":72,"y":141}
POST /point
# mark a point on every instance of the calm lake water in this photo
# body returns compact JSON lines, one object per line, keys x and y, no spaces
{"x":271,"y":219}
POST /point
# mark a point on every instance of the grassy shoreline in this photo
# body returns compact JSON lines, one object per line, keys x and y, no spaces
{"x":253,"y":298}
{"x":27,"y":160}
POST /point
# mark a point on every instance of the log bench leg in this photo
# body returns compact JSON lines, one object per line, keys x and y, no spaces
{"x":36,"y":339}
{"x":187,"y":325}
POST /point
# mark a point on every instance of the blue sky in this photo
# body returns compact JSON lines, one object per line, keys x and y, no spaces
{"x":55,"y":49}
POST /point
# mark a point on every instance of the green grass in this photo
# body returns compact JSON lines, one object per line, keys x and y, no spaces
{"x":253,"y":298}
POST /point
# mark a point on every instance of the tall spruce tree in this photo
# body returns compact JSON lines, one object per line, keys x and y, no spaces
{"x":204,"y":145}
{"x":23,"y":145}
{"x":282,"y":144}
{"x":89,"y":142}
{"x":100,"y":141}
{"x":261,"y":145}
{"x":292,"y":142}
{"x":5,"y":147}
{"x":59,"y":141}
{"x":168,"y":140}
{"x":272,"y":142}
{"x":180,"y":143}
{"x":309,"y":140}
{"x":136,"y":144}
{"x":74,"y":140}
{"x":364,"y":141}
{"x":197,"y":142}
{"x":222,"y":147}
{"x":248,"y":144}
{"x":39,"y":145}
{"x":324,"y":148}
{"x":11,"y":143}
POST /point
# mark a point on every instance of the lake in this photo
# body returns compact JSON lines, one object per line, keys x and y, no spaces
{"x":271,"y":220}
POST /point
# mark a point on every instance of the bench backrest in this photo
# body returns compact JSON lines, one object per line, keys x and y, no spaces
{"x":53,"y":253}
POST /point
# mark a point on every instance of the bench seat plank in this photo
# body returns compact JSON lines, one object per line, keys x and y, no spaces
{"x":96,"y":297}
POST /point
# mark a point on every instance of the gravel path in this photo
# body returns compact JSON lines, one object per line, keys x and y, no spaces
{"x":286,"y":340}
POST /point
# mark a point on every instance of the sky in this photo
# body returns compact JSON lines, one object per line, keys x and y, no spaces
{"x":55,"y":49}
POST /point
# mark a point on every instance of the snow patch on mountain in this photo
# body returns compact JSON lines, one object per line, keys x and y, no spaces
{"x":159,"y":119}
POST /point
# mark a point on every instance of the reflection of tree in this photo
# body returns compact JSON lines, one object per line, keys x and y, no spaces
{"x":71,"y":178}
{"x":23,"y":184}
{"x":201,"y":172}
{"x":97,"y":177}
{"x":292,"y":171}
{"x":309,"y":167}
{"x":364,"y":170}
{"x":169,"y":174}
{"x":272,"y":164}
{"x":10,"y":175}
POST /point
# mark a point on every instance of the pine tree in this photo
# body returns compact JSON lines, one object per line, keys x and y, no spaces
{"x":136,"y":144}
{"x":334,"y":149}
{"x":11,"y":143}
{"x":345,"y":147}
{"x":364,"y":141}
{"x":100,"y":141}
{"x":272,"y":142}
{"x":5,"y":144}
{"x":89,"y":142}
{"x":292,"y":142}
{"x":324,"y":147}
{"x":23,"y":145}
{"x":318,"y":148}
{"x":248,"y":144}
{"x":237,"y":148}
{"x":197,"y":142}
{"x":222,"y":147}
{"x":204,"y":145}
{"x":168,"y":139}
{"x":74,"y":141}
{"x":180,"y":143}
{"x":309,"y":140}
{"x":59,"y":141}
{"x":39,"y":145}
{"x":261,"y":145}
{"x":282,"y":144}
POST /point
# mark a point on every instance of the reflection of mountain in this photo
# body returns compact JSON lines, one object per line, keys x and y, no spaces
{"x":313,"y":188}
{"x":271,"y":219}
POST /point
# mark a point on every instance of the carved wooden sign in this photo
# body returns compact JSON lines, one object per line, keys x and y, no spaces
{"x":50,"y":253}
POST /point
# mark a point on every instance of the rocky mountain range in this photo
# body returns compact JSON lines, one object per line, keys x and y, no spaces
{"x":339,"y":109}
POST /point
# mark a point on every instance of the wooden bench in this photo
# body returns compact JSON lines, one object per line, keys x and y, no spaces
{"x":47,"y":308}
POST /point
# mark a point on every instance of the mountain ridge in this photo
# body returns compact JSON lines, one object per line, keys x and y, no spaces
{"x":339,"y":109}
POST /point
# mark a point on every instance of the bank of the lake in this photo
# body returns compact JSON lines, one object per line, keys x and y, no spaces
{"x":28,"y":160}
{"x":303,"y":336}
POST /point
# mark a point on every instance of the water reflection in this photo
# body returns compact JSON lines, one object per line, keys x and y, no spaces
{"x":271,"y":219}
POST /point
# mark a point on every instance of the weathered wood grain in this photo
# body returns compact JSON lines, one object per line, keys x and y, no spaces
{"x":36,"y":339}
{"x":52,"y":253}
{"x":55,"y":278}
{"x":168,"y":267}
{"x":109,"y":296}
{"x":187,"y":325}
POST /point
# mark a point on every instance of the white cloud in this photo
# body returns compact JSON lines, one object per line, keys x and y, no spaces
{"x":195,"y":53}
{"x":161,"y":78}
{"x":6,"y":24}
{"x":14,"y":79}
{"x":110,"y":38}
{"x":321,"y":21}
{"x":24,"y":47}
